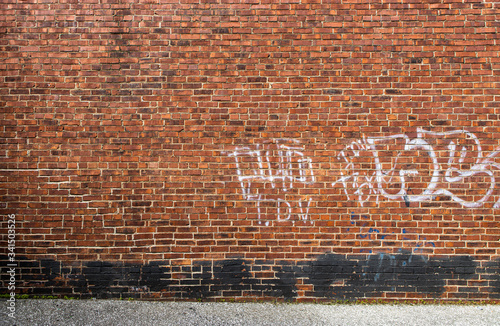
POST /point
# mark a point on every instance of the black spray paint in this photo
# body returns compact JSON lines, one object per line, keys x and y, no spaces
{"x":332,"y":276}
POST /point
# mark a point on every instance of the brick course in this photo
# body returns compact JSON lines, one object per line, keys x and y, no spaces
{"x":252,"y":149}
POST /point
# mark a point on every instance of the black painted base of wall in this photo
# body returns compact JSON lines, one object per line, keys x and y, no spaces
{"x":329,"y":276}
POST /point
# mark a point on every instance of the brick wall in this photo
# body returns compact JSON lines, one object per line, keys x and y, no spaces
{"x":252,"y":149}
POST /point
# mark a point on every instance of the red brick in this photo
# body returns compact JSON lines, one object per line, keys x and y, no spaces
{"x":181,"y":133}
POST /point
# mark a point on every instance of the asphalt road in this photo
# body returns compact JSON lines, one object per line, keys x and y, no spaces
{"x":112,"y":312}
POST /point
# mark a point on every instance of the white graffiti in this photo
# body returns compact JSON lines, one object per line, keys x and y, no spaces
{"x":273,"y":175}
{"x":422,"y":168}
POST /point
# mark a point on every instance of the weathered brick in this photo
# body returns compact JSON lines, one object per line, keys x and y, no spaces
{"x":292,"y":150}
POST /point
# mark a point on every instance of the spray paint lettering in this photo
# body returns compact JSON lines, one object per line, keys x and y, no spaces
{"x":367,"y":231}
{"x":274,"y":176}
{"x":419,"y":169}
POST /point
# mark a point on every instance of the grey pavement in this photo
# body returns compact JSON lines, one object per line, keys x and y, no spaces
{"x":115,"y":312}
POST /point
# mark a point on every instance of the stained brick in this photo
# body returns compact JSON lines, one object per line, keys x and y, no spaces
{"x":292,"y":150}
